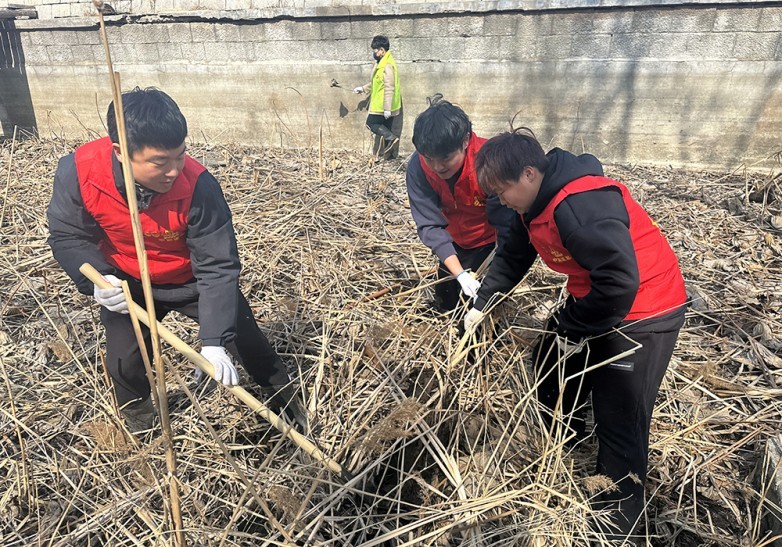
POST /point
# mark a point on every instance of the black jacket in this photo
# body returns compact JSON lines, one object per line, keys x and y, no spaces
{"x":74,"y":236}
{"x":594,"y":227}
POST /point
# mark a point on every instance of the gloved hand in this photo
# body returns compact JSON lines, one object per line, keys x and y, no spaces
{"x":358,"y":89}
{"x":386,"y":114}
{"x":472,"y":320}
{"x":469,"y":284}
{"x":225,"y":371}
{"x":113,"y":299}
{"x":568,"y":347}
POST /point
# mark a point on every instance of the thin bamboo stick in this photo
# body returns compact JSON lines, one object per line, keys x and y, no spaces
{"x":142,"y":346}
{"x":255,"y":405}
{"x":146,"y":283}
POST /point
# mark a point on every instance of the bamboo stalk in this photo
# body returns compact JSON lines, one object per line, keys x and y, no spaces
{"x":146,"y":283}
{"x":109,"y":384}
{"x":142,"y":346}
{"x":255,"y":405}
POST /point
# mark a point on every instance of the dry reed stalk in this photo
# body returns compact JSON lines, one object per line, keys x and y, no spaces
{"x":311,"y":252}
{"x":8,"y":179}
{"x":141,"y":344}
{"x":146,"y":283}
{"x":196,"y":358}
{"x":226,"y":454}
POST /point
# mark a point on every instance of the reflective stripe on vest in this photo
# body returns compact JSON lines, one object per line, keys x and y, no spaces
{"x":378,"y":95}
{"x":465,"y":208}
{"x":661,"y":287}
{"x":164,"y":222}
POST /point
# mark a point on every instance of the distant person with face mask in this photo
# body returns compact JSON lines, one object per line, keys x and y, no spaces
{"x":191,"y":249}
{"x":457,"y":220}
{"x":385,"y":102}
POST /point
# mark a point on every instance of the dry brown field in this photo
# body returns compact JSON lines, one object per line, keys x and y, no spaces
{"x":446,"y":448}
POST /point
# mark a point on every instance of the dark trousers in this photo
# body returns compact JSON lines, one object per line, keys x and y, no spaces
{"x":126,"y":368}
{"x":385,"y":130}
{"x":379,"y":125}
{"x":623,"y":396}
{"x":446,"y":294}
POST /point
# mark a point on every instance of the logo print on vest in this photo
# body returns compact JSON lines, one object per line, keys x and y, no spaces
{"x":164,"y":235}
{"x":558,"y":257}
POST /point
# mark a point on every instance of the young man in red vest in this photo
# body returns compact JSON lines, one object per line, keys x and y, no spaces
{"x":626,"y":292}
{"x":191,"y":250}
{"x":457,"y":220}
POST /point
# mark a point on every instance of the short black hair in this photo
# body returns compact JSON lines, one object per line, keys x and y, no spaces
{"x":503,"y":158}
{"x":380,"y":41}
{"x":441,"y":129}
{"x":152,"y":118}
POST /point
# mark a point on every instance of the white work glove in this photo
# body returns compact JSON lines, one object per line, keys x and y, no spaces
{"x":386,"y":114}
{"x":472,"y":320}
{"x":225,"y":371}
{"x":113,"y":299}
{"x":358,"y":89}
{"x":469,"y":284}
{"x":568,"y":348}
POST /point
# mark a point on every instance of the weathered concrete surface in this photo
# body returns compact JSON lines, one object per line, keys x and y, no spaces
{"x":16,"y":109}
{"x":696,"y":86}
{"x":259,"y":9}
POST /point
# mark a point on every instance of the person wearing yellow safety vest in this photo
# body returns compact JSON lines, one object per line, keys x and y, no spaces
{"x":386,"y":96}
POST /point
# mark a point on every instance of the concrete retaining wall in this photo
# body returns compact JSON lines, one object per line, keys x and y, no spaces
{"x":682,"y":85}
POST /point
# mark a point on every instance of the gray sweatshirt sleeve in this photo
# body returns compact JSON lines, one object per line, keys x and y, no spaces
{"x":215,"y":259}
{"x":425,"y":207}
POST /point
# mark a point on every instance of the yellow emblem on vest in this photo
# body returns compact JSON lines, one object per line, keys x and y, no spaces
{"x":558,"y":257}
{"x":164,"y":235}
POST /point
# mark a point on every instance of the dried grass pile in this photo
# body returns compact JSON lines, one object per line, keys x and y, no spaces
{"x":447,"y":451}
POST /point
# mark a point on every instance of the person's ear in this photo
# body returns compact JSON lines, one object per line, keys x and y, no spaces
{"x":117,"y":150}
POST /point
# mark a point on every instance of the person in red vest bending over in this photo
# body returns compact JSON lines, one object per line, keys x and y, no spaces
{"x":457,"y":220}
{"x":191,"y":250}
{"x":626,"y":292}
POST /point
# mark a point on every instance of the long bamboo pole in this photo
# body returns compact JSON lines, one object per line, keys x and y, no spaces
{"x":146,"y":283}
{"x":300,"y":440}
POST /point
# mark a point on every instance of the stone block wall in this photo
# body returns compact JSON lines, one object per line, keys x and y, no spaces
{"x":693,"y":85}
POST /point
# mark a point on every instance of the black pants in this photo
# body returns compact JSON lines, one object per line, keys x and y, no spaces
{"x":379,"y":125}
{"x":385,"y":130}
{"x":623,"y":396}
{"x":126,"y":368}
{"x":446,"y":294}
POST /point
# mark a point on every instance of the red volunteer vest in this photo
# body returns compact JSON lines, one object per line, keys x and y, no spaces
{"x":164,"y":223}
{"x":465,"y":209}
{"x":662,"y":287}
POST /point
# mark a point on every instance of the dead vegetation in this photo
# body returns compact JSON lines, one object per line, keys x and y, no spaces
{"x":446,"y":451}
